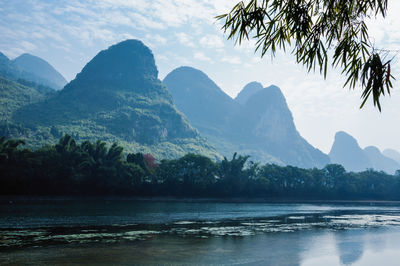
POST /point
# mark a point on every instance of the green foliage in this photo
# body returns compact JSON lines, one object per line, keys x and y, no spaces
{"x":311,"y":28}
{"x":33,"y":74}
{"x":14,"y":95}
{"x":94,"y":168}
{"x":116,"y":98}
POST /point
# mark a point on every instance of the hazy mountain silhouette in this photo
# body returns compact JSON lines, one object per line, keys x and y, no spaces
{"x":393,"y":154}
{"x":346,"y":151}
{"x":380,"y":161}
{"x":118,"y":97}
{"x":270,"y":123}
{"x":262,"y":126}
{"x":248,"y":91}
{"x":31,"y":69}
{"x":41,"y":69}
{"x":206,"y":106}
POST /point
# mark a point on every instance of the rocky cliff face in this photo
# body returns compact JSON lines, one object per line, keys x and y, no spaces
{"x":272,"y":126}
{"x":258,"y":122}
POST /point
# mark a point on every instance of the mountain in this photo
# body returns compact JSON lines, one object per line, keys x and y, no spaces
{"x":248,"y":91}
{"x":117,"y":97}
{"x":14,"y":95}
{"x":346,"y":151}
{"x":262,"y":127}
{"x":270,"y":123}
{"x":7,"y":68}
{"x":41,"y":69}
{"x":201,"y":100}
{"x":20,"y":70}
{"x":393,"y":154}
{"x":380,"y":161}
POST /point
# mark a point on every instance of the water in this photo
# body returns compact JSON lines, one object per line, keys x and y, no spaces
{"x":141,"y":232}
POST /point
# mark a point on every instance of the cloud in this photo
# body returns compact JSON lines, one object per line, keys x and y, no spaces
{"x":246,"y":46}
{"x":212,"y":41}
{"x":162,"y":57}
{"x":146,"y":22}
{"x":156,"y":38}
{"x":232,"y":60}
{"x":200,"y":56}
{"x":77,"y":30}
{"x":185,"y":39}
{"x":28,"y":46}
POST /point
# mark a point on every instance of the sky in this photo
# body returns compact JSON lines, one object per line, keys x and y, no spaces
{"x":68,"y":33}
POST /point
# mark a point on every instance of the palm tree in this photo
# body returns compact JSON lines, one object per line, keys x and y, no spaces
{"x":9,"y":148}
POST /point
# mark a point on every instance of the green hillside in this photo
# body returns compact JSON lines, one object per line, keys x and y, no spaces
{"x":117,"y":97}
{"x":19,"y":70}
{"x":14,"y":95}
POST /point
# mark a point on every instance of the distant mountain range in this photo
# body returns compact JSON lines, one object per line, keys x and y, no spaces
{"x":41,"y":69}
{"x":346,"y":151}
{"x":117,"y":97}
{"x":258,"y":123}
{"x":248,"y":91}
{"x":33,"y":70}
{"x":392,"y":154}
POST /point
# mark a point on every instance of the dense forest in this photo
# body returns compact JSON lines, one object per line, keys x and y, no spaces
{"x":93,"y":168}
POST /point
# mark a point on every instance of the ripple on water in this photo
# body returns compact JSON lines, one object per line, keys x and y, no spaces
{"x":204,"y":229}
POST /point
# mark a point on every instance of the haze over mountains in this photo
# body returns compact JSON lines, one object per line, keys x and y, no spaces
{"x":31,"y":69}
{"x":117,"y":97}
{"x":346,"y":151}
{"x":259,"y":123}
{"x":248,"y":91}
{"x":40,"y":68}
{"x":392,"y":154}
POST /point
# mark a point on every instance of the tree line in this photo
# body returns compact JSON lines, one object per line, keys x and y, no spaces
{"x":93,"y":168}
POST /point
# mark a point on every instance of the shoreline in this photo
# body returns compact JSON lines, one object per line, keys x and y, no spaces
{"x":43,"y":199}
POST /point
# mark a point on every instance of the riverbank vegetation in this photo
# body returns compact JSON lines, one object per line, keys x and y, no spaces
{"x":92,"y":168}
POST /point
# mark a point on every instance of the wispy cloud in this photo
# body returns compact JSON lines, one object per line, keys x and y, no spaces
{"x":68,"y":33}
{"x":212,"y":41}
{"x":232,"y":60}
{"x":185,"y":39}
{"x":202,"y":57}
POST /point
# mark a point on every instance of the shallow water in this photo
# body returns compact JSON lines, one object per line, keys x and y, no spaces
{"x":133,"y":232}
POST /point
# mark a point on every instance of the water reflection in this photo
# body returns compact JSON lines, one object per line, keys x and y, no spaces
{"x":350,"y":246}
{"x":196,"y":233}
{"x":314,"y":247}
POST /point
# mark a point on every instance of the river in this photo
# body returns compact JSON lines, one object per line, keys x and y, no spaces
{"x":124,"y":232}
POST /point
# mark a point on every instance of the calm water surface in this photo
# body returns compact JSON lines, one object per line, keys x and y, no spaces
{"x":122,"y":232}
